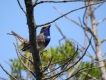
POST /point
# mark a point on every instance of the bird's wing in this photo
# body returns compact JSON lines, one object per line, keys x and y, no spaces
{"x":19,"y":37}
{"x":26,"y":47}
{"x":40,"y":38}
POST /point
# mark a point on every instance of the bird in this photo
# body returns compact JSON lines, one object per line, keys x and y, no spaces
{"x":42,"y":39}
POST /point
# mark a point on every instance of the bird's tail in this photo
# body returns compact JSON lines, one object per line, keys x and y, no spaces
{"x":19,"y":37}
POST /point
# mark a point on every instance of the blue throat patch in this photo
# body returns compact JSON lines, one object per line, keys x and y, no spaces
{"x":47,"y":35}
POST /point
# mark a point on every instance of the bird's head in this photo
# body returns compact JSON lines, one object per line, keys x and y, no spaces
{"x":46,"y":30}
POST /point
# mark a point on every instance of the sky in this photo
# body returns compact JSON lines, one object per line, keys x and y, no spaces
{"x":13,"y":19}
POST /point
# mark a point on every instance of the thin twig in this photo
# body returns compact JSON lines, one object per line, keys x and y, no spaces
{"x":98,"y":6}
{"x":68,"y":17}
{"x":67,"y":64}
{"x":101,"y":21}
{"x":87,"y":36}
{"x":103,"y":40}
{"x":67,"y":14}
{"x":48,"y":64}
{"x":22,"y":61}
{"x":88,"y":54}
{"x":7,"y":72}
{"x":72,"y":65}
{"x":61,"y":1}
{"x":68,"y":60}
{"x":81,"y":70}
{"x":21,"y":6}
{"x":72,"y":57}
{"x":26,"y":58}
{"x":88,"y":29}
{"x":86,"y":68}
{"x":2,"y":78}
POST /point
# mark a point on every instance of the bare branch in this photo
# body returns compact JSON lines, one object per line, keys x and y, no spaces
{"x":35,"y":3}
{"x":72,"y":65}
{"x":68,"y":13}
{"x":87,"y":34}
{"x":81,"y":70}
{"x":88,"y":54}
{"x":68,"y":60}
{"x":7,"y":72}
{"x":21,"y":6}
{"x":93,"y":78}
{"x":85,"y":68}
{"x":67,"y":17}
{"x":48,"y":65}
{"x":23,"y":62}
{"x":27,"y":58}
{"x":103,"y":40}
{"x":98,"y":6}
{"x":58,"y":1}
{"x":101,"y":21}
{"x":79,"y":24}
{"x":74,"y":68}
{"x":88,"y":29}
{"x":3,"y":78}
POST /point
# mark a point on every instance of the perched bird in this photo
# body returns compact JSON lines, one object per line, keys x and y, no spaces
{"x":42,"y":39}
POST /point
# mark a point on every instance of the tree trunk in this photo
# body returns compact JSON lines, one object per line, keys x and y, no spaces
{"x":97,"y":43}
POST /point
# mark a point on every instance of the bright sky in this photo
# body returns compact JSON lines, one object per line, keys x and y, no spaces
{"x":12,"y":18}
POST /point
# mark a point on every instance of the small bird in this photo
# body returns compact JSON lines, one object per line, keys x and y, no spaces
{"x":42,"y":39}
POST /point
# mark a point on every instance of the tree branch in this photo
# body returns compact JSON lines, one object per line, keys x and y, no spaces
{"x":98,"y":6}
{"x":21,"y":6}
{"x":97,"y":43}
{"x":58,"y":1}
{"x":72,"y":65}
{"x":7,"y":72}
{"x":32,"y":38}
{"x":101,"y":21}
{"x":2,"y":78}
{"x":22,"y":61}
{"x":68,"y":13}
{"x":103,"y":40}
{"x":88,"y":54}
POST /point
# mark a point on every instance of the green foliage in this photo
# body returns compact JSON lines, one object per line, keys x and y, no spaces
{"x":91,"y":69}
{"x":16,"y":69}
{"x":59,"y":53}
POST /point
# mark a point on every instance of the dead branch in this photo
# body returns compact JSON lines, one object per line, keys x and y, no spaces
{"x":97,"y":42}
{"x":23,"y":62}
{"x":7,"y":72}
{"x":72,"y":65}
{"x":81,"y":50}
{"x":101,"y":21}
{"x":103,"y":40}
{"x":48,"y":64}
{"x":68,"y":13}
{"x":2,"y":78}
{"x":81,"y":70}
